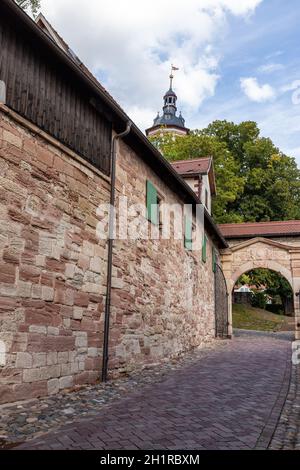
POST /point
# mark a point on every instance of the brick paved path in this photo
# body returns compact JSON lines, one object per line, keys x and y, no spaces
{"x":231,"y":399}
{"x":287,"y":435}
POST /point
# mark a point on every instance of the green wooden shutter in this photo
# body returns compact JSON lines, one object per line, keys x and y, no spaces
{"x":204,"y":249}
{"x":152,"y":206}
{"x":188,"y":234}
{"x":214,"y":259}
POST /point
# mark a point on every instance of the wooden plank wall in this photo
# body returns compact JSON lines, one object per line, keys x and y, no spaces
{"x":43,"y":91}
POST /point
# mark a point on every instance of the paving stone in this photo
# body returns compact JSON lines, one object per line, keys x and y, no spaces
{"x":287,"y":434}
{"x":229,"y":396}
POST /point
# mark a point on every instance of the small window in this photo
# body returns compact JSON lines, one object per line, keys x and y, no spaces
{"x":204,"y":246}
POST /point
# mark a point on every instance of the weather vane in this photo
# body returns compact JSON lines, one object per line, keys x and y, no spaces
{"x":173,"y":69}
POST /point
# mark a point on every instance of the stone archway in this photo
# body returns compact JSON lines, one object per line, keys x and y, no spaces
{"x":263,"y":253}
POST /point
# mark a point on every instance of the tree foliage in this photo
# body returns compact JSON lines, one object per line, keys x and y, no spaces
{"x":259,"y":300}
{"x":229,"y":183}
{"x":33,"y":5}
{"x":255,"y":180}
{"x":274,"y":283}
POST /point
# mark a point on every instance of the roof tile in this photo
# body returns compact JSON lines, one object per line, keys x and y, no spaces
{"x":252,"y":229}
{"x":199,"y":165}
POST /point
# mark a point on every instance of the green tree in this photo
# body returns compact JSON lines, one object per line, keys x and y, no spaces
{"x":274,"y":283}
{"x":272,"y":179}
{"x":259,"y":300}
{"x":33,"y":5}
{"x":230,"y":184}
{"x":255,"y":180}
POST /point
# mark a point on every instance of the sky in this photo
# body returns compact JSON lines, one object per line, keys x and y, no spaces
{"x":238,"y":59}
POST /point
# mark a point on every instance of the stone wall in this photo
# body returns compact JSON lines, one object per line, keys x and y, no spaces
{"x":164,"y":303}
{"x":52,"y":267}
{"x":53,"y":272}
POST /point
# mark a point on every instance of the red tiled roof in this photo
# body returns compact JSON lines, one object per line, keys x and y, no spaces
{"x":197,"y":166}
{"x":251,"y":229}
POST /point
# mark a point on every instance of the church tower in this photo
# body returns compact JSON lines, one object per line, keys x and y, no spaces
{"x":169,"y":122}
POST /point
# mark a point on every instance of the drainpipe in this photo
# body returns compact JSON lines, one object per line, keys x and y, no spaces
{"x":110,"y":248}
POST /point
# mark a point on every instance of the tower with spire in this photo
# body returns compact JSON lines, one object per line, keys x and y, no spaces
{"x":169,"y":122}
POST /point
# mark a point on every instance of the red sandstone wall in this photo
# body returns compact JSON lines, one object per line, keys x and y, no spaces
{"x":51,"y":267}
{"x":163,"y":303}
{"x":53,"y":273}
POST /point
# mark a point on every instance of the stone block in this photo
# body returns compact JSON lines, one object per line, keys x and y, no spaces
{"x":66,"y":382}
{"x":38,"y":329}
{"x":41,"y":260}
{"x":45,"y":156}
{"x":7,"y":290}
{"x":81,"y":342}
{"x":52,"y":358}
{"x":39,"y":359}
{"x":70,"y":368}
{"x":83,"y":262}
{"x":47,"y":293}
{"x":78,"y":313}
{"x":117,"y":283}
{"x":92,"y":288}
{"x":81,"y":299}
{"x":53,"y":386}
{"x":29,"y":273}
{"x":52,"y":330}
{"x":19,"y":391}
{"x":12,"y":139}
{"x":93,"y":352}
{"x":88,"y":249}
{"x":36,"y":291}
{"x":24,"y":360}
{"x":24,"y":289}
{"x":32,"y":375}
{"x":70,"y":271}
{"x":63,"y":357}
{"x":97,"y":265}
{"x":66,"y":322}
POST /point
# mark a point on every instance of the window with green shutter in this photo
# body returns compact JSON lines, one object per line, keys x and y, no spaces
{"x":152,"y":203}
{"x":188,"y":234}
{"x":204,"y":244}
{"x":214,"y":259}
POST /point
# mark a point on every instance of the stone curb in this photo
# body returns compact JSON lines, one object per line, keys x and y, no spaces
{"x":265,"y":439}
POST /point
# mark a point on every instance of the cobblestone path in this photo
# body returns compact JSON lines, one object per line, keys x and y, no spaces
{"x":287,"y":434}
{"x":230,"y":399}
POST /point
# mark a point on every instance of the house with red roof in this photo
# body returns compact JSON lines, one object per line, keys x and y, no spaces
{"x":200,"y":176}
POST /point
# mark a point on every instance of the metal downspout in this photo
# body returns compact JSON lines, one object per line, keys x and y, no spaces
{"x":110,"y":249}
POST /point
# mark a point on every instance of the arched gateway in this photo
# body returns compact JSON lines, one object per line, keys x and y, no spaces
{"x":271,"y":245}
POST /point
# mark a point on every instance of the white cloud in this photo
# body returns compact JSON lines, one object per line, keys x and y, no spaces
{"x":130,"y":46}
{"x":270,"y":68}
{"x":142,"y":116}
{"x":239,"y":7}
{"x":256,"y":92}
{"x":291,"y":86}
{"x":273,"y":55}
{"x":293,"y":152}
